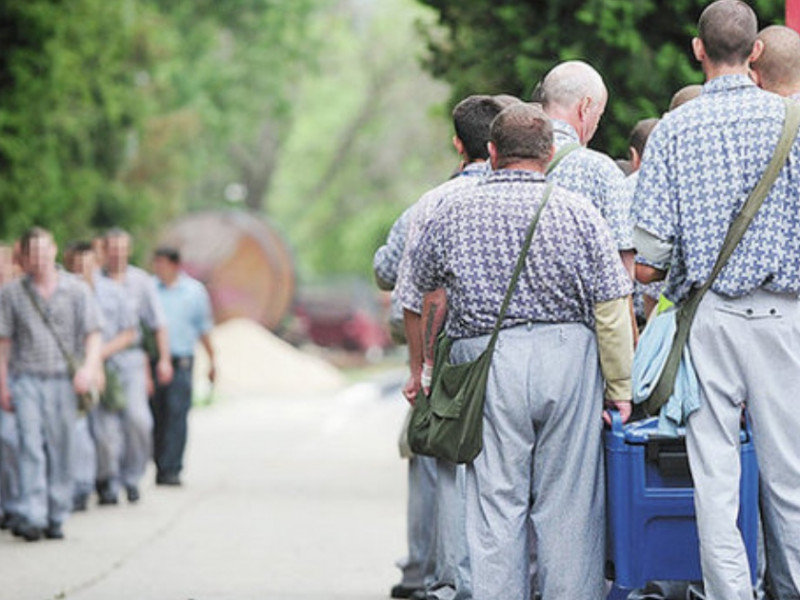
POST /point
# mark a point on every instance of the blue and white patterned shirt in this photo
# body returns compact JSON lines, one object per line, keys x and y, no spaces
{"x":702,"y":161}
{"x":595,"y":176}
{"x":471,"y":245}
{"x":410,"y":296}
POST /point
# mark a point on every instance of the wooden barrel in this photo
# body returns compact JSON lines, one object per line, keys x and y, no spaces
{"x":242,"y":260}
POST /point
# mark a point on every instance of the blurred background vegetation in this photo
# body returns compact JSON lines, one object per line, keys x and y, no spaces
{"x":327,"y":117}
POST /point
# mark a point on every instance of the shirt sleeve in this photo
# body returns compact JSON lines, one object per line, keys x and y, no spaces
{"x":610,"y":280}
{"x":6,"y":314}
{"x":617,"y":207}
{"x":654,"y":202}
{"x":152,"y":313}
{"x":386,"y":261}
{"x":91,"y":319}
{"x":205,"y":321}
{"x":430,"y":254}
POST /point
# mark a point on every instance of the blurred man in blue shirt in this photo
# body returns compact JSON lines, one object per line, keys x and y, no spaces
{"x":188,"y":313}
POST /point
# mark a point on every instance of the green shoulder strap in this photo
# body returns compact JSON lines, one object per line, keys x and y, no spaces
{"x":559,"y":156}
{"x":666,"y":382}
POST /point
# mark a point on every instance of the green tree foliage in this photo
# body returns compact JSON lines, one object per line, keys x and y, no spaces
{"x":369,"y":137}
{"x":129,"y":112}
{"x":641,"y":47}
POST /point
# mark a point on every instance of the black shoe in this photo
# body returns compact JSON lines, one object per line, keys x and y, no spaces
{"x":54,"y":532}
{"x":168,"y":479}
{"x":10,"y":521}
{"x":107,"y":498}
{"x":80,"y":503}
{"x":28,"y":532}
{"x":405,"y":591}
{"x":133,"y":493}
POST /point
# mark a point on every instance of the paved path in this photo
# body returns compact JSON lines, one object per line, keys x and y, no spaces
{"x":284,"y":498}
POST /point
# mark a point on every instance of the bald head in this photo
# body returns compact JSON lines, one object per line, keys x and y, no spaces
{"x":574,"y":92}
{"x":570,"y":82}
{"x":777,"y":69}
{"x":683,"y":95}
{"x":728,"y":30}
{"x":521,"y":132}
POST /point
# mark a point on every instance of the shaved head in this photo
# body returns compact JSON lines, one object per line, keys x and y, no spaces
{"x":522,"y":132}
{"x":728,"y":31}
{"x":569,"y":83}
{"x":683,"y":95}
{"x":778,"y":67}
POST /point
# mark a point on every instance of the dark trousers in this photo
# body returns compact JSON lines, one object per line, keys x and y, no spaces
{"x":170,"y":405}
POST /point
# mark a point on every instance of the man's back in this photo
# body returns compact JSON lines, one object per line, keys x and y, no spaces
{"x":702,"y":162}
{"x":572,"y":264}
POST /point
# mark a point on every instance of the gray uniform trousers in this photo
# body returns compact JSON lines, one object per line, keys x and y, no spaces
{"x":452,"y":579}
{"x":46,"y":410}
{"x":542,"y":462}
{"x":746,"y":350}
{"x":418,"y":567}
{"x":84,"y":468}
{"x":9,"y":464}
{"x":125,"y":438}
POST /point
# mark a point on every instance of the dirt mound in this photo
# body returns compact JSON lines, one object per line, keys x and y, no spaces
{"x":251,"y":360}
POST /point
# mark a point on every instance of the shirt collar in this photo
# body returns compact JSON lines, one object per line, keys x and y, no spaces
{"x":725,"y":83}
{"x":563,"y":128}
{"x":515,"y":176}
{"x":476,"y":168}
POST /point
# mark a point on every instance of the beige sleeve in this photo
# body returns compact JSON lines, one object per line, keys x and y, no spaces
{"x":615,"y":345}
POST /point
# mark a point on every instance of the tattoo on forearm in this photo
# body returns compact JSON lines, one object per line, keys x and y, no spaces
{"x":429,"y":326}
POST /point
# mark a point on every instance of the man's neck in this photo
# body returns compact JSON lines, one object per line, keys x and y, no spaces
{"x":713,"y":70}
{"x":45,"y":281}
{"x":526,"y":165}
{"x":567,"y":116}
{"x":169,"y":280}
{"x":117,"y":274}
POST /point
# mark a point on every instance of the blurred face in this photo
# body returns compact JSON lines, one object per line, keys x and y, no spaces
{"x":6,"y":264}
{"x":165,"y":269}
{"x":41,"y":255}
{"x":117,"y":250}
{"x":83,"y":264}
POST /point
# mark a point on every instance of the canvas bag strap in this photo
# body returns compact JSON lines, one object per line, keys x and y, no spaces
{"x":664,"y":388}
{"x":559,"y":156}
{"x":67,"y":356}
{"x":519,"y":266}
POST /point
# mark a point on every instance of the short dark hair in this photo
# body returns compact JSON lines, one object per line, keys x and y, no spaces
{"x":639,"y":134}
{"x":471,"y":119}
{"x":522,"y":132}
{"x":30,"y":235}
{"x":171,"y":253}
{"x":728,"y":29}
{"x":79,"y":247}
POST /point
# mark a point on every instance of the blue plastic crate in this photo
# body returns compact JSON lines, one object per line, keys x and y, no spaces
{"x":650,"y":504}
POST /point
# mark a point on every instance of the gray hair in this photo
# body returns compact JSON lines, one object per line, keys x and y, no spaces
{"x":570,"y":82}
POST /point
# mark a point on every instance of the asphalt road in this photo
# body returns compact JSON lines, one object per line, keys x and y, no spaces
{"x":283,"y":498}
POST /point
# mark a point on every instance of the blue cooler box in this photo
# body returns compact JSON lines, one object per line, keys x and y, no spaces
{"x":650,"y":504}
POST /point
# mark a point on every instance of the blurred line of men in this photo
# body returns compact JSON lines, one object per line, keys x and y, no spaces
{"x":526,"y":518}
{"x":95,"y":375}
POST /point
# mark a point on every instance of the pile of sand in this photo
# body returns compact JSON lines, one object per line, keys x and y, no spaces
{"x":253,"y":361}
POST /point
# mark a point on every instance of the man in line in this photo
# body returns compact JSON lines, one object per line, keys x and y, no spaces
{"x":188,"y":313}
{"x":9,"y":438}
{"x":701,"y":162}
{"x":134,"y":367}
{"x":418,"y":565}
{"x":776,"y":70}
{"x":471,"y":120}
{"x":574,"y":96}
{"x":570,"y":307}
{"x":35,"y":379}
{"x":101,"y":439}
